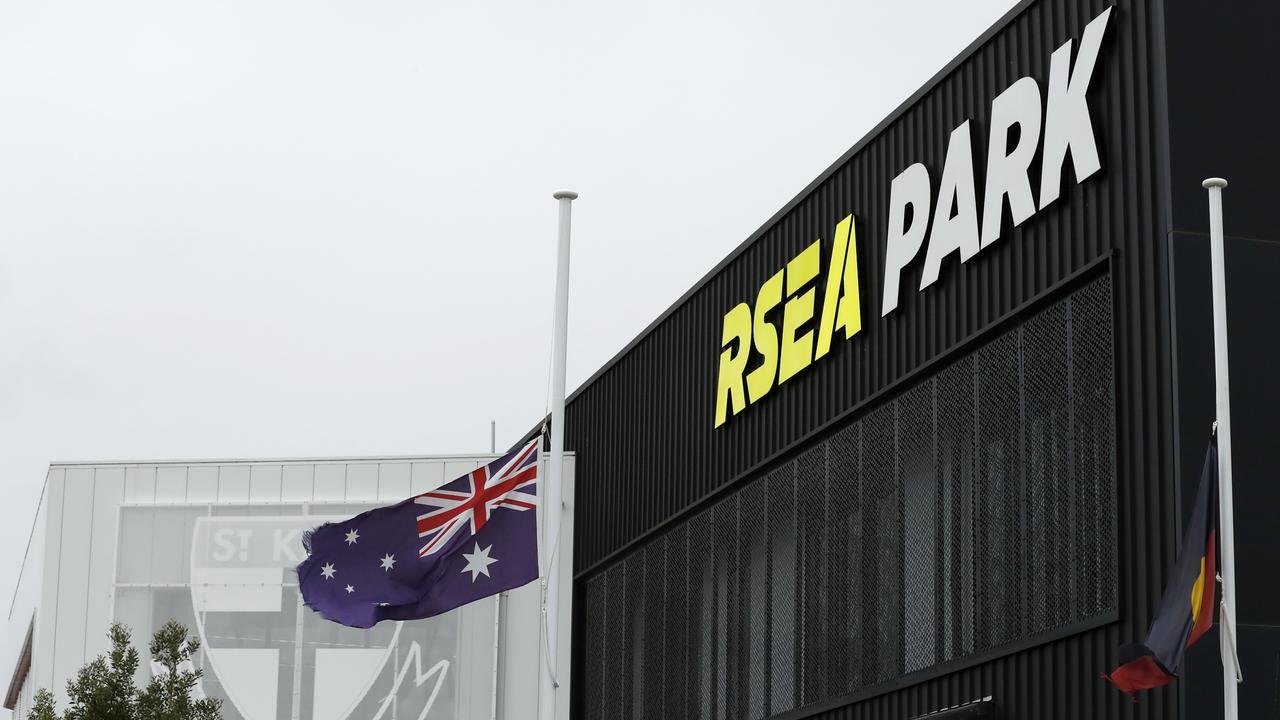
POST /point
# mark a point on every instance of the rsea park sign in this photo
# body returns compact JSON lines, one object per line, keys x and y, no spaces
{"x":1025,"y":123}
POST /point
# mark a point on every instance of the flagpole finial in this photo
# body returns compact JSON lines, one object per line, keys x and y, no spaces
{"x":1213,"y":182}
{"x":565,"y":194}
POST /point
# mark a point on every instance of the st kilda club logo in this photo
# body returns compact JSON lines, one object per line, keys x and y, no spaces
{"x":268,"y":656}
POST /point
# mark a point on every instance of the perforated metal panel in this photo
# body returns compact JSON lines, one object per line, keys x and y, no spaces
{"x":971,"y":512}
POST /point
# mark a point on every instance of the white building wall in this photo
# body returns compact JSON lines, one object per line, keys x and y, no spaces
{"x":106,"y":497}
{"x":77,"y":578}
{"x":46,"y":608}
{"x":72,"y":590}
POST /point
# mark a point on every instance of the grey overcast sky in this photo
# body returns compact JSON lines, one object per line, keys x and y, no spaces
{"x":253,"y":228}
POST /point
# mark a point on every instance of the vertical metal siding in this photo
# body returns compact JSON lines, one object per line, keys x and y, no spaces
{"x":643,"y":428}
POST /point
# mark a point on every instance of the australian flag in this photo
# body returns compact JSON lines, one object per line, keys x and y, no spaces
{"x":474,"y":537}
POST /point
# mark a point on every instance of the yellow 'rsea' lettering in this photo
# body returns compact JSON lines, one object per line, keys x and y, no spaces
{"x":797,"y":351}
{"x":737,"y":326}
{"x":782,"y":357}
{"x":760,"y":380}
{"x":841,"y":308}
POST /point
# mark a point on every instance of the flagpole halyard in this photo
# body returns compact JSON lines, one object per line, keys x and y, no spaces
{"x":1226,"y":625}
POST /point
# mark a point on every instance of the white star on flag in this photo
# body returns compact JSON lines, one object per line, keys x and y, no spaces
{"x":478,"y":562}
{"x":350,"y":589}
{"x":388,"y":562}
{"x":327,"y":571}
{"x":352,"y":537}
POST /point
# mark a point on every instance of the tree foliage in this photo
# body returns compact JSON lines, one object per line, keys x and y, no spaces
{"x":42,"y":708}
{"x":104,"y":690}
{"x":168,"y":695}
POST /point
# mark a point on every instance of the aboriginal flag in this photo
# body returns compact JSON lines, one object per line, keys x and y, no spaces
{"x":1186,"y":610}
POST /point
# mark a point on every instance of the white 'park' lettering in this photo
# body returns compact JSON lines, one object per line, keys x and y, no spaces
{"x":1067,"y":127}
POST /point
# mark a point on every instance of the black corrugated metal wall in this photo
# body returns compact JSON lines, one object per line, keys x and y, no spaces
{"x":643,"y":428}
{"x":1227,"y":129}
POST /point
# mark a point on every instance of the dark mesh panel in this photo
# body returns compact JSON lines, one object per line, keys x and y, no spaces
{"x":1000,"y":491}
{"x":702,"y":639}
{"x":753,"y":545}
{"x":954,"y":468}
{"x":1048,"y":474}
{"x":920,"y":559}
{"x":595,"y":644}
{"x":782,"y":579}
{"x":1092,"y":408}
{"x":822,"y":564}
{"x":912,"y":536}
{"x":839,"y":629}
{"x":880,"y":544}
{"x":730,"y":610}
{"x":678,"y":638}
{"x":616,"y":644}
{"x":653,"y":638}
{"x":635,"y":621}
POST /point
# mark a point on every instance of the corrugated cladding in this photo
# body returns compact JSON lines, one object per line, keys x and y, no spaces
{"x":643,"y":431}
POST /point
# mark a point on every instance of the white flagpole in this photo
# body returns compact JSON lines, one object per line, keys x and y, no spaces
{"x":1226,"y":529}
{"x":553,"y":507}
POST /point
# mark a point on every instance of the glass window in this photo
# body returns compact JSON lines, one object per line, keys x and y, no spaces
{"x":133,"y":552}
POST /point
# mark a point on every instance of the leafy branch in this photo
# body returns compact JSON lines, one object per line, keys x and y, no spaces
{"x":104,"y":690}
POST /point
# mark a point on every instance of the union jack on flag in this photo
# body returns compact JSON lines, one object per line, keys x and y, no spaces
{"x":471,"y":500}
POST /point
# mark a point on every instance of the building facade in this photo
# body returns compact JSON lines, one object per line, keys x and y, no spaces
{"x":213,"y":545}
{"x":924,"y":442}
{"x":921,"y":446}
